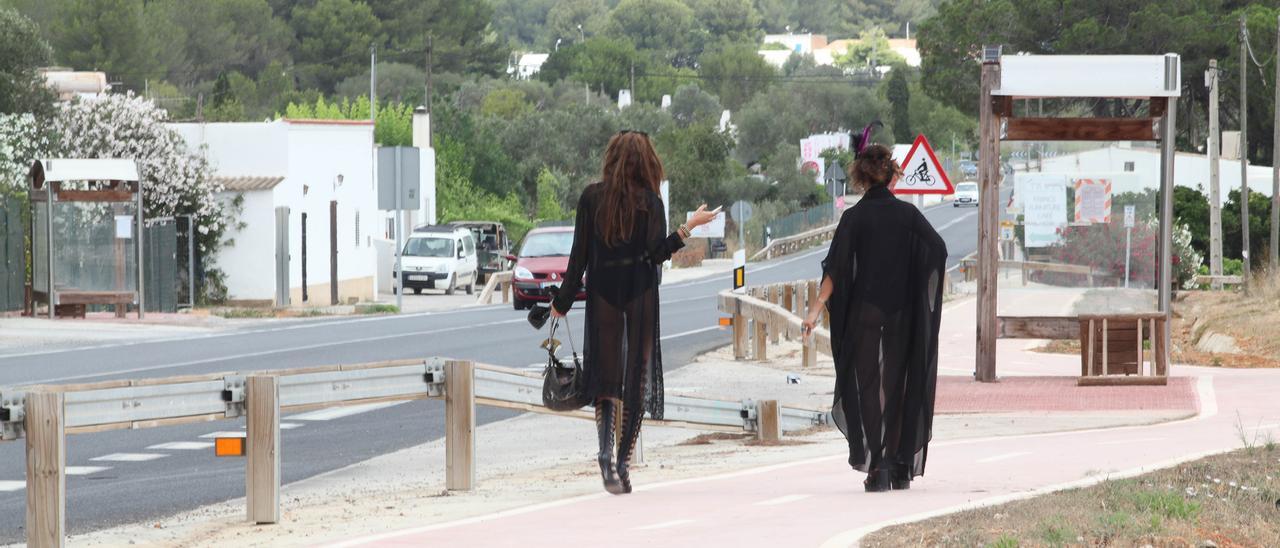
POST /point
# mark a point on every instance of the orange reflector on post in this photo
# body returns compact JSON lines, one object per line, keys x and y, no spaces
{"x":228,"y":447}
{"x":726,"y":321}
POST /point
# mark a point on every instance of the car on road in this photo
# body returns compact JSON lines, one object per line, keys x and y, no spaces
{"x":966,"y":194}
{"x":491,"y":239}
{"x":440,"y":257}
{"x":541,"y":264}
{"x":969,"y":168}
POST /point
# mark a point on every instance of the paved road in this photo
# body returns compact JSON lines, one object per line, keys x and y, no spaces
{"x":130,"y":476}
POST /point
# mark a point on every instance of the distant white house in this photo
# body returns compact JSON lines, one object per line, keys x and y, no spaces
{"x":69,"y":84}
{"x":528,"y":65}
{"x":824,"y":53}
{"x":309,"y":195}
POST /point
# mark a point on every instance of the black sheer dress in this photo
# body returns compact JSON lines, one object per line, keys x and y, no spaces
{"x":886,"y":264}
{"x":621,"y":354}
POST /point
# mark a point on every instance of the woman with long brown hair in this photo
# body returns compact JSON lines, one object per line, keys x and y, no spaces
{"x":620,"y":243}
{"x":882,"y":283}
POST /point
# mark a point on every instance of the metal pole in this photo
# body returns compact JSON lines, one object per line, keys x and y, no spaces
{"x":1215,"y":195}
{"x":1275,"y":173}
{"x":1244,"y":156}
{"x":399,"y":250}
{"x":50,"y":294}
{"x":1128,"y":247}
{"x":427,"y":98}
{"x":137,"y":242}
{"x":191,"y":261}
{"x":1169,"y":131}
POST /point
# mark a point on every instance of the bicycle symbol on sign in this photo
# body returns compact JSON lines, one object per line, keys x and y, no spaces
{"x":921,"y":176}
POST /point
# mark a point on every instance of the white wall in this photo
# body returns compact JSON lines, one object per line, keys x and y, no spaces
{"x":234,"y":149}
{"x":250,"y":262}
{"x":317,"y":155}
{"x":1189,"y":170}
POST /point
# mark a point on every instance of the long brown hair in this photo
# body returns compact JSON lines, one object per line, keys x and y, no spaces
{"x":631,"y":166}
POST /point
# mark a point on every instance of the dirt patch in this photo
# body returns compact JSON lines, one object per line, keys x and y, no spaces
{"x":1249,"y":319}
{"x":1231,"y":499}
{"x":1059,"y":347}
{"x":711,"y":438}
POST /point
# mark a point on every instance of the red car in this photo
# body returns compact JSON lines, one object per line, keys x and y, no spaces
{"x":541,"y":263}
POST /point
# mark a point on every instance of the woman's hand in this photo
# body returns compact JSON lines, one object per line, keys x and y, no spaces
{"x":702,"y":216}
{"x":811,"y":322}
{"x":555,"y":313}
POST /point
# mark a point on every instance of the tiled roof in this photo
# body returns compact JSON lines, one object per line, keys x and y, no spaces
{"x":246,"y":183}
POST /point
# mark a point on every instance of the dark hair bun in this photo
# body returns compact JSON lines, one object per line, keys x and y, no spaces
{"x":873,"y":167}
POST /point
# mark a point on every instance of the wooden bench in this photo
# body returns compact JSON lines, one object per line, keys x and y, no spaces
{"x":120,"y":300}
{"x":1113,"y":347}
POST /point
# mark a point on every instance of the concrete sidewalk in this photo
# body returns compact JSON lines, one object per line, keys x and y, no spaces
{"x":816,"y":500}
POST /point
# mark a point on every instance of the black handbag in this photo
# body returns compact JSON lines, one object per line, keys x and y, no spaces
{"x":564,"y":387}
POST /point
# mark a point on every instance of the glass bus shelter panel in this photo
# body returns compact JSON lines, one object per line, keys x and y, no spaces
{"x":94,"y":246}
{"x":1079,"y":228}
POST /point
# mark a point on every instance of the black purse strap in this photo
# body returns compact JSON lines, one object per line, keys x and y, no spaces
{"x":555,"y":322}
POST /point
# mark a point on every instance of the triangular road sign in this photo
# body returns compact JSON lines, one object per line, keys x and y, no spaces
{"x":922,"y":173}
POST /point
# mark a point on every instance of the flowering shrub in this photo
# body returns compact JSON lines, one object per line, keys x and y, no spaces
{"x":1102,"y":247}
{"x":21,"y":141}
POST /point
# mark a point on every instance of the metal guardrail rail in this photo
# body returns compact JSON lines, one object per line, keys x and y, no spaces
{"x":44,"y":414}
{"x":798,"y":242}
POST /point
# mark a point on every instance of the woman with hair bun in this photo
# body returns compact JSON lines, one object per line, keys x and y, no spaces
{"x":882,"y":283}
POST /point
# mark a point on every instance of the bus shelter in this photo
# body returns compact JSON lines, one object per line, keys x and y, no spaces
{"x":1090,"y":246}
{"x":86,"y":235}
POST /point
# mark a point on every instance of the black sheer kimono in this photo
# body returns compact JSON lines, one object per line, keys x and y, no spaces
{"x":622,"y":357}
{"x":886,"y":264}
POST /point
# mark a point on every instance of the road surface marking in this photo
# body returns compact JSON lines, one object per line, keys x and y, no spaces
{"x":690,"y":332}
{"x":1266,"y":426}
{"x":85,"y":470}
{"x":182,"y":446}
{"x":664,"y":525}
{"x":339,"y":412}
{"x":956,"y":221}
{"x":283,"y":425}
{"x":1136,"y":440}
{"x":224,"y":434}
{"x":130,"y":457}
{"x":1005,"y":456}
{"x":12,"y":486}
{"x":782,"y":500}
{"x":283,"y":350}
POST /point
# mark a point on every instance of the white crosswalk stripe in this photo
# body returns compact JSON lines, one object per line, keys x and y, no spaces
{"x":6,"y":486}
{"x":182,"y":446}
{"x":129,"y":457}
{"x":339,"y":412}
{"x":223,"y":434}
{"x":85,"y":470}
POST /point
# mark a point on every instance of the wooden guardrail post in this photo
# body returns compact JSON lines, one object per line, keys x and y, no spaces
{"x":769,"y":421}
{"x":506,"y":292}
{"x":46,"y":469}
{"x":760,"y":340}
{"x":262,"y":473}
{"x":460,"y":425}
{"x":775,"y":297}
{"x":789,"y":302}
{"x":739,"y":332}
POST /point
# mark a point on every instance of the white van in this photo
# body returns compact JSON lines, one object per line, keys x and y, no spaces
{"x":440,"y":257}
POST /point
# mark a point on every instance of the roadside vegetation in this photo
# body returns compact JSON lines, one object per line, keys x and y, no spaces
{"x":1232,"y":499}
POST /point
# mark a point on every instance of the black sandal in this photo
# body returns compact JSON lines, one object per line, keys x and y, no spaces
{"x":877,"y":481}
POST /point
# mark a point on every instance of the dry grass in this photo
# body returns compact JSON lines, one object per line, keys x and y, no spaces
{"x":711,"y":438}
{"x":1231,"y":499}
{"x":1059,"y":347}
{"x":1250,"y":319}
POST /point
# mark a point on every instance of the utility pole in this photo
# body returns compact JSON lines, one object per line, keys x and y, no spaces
{"x":1244,"y":153}
{"x":427,"y":98}
{"x":1275,"y":171}
{"x":373,"y":87}
{"x":1215,"y":195}
{"x":633,"y":82}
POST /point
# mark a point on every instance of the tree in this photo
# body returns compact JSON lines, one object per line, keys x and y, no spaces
{"x":1191,"y":209}
{"x":458,"y":31}
{"x":735,"y":73}
{"x":550,"y":189}
{"x":521,"y":24}
{"x":333,"y":40}
{"x":690,"y":105}
{"x":666,"y":26}
{"x":598,"y":62}
{"x":505,"y":103}
{"x":697,"y":161}
{"x":114,"y":36}
{"x":22,"y":51}
{"x":871,"y":50}
{"x":898,"y":91}
{"x":732,"y":21}
{"x":786,"y":114}
{"x":565,"y":17}
{"x":225,"y":105}
{"x":1259,"y":228}
{"x":397,"y":82}
{"x":22,"y":140}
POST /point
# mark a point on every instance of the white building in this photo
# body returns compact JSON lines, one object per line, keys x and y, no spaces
{"x":825,"y":53}
{"x":528,"y":65}
{"x":301,"y":181}
{"x":1142,"y":169}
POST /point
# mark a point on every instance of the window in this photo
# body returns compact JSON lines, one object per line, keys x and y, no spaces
{"x":357,"y":225}
{"x":470,"y":245}
{"x":1128,"y":166}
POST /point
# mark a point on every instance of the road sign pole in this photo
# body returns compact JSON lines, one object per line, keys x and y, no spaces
{"x":399,"y":247}
{"x":1128,"y":238}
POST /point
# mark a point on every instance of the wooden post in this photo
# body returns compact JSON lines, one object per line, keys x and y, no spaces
{"x":1275,"y":176}
{"x":988,"y":223}
{"x":46,"y":469}
{"x":769,"y":421}
{"x":775,"y":328}
{"x":760,"y":340}
{"x":1140,"y":364}
{"x":506,"y":292}
{"x":460,"y":425}
{"x":1215,"y":207}
{"x":262,"y":473}
{"x":809,"y":358}
{"x":1105,"y":372}
{"x":789,"y":302}
{"x":739,"y":336}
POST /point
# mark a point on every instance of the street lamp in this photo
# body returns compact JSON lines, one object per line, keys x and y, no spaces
{"x":581,"y":37}
{"x":557,"y":44}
